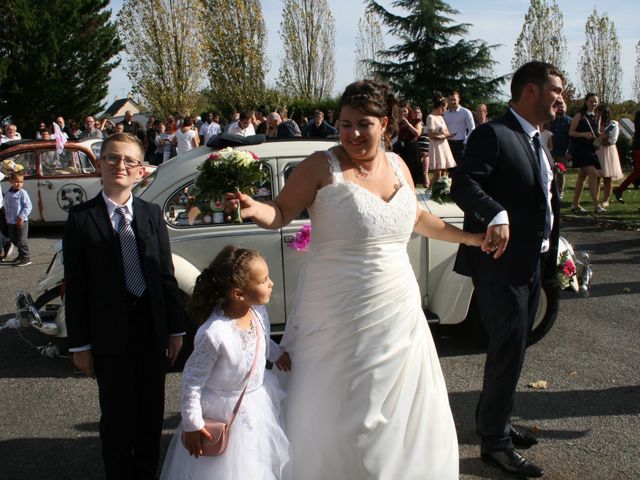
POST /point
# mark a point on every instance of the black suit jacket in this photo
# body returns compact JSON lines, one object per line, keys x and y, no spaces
{"x":95,"y":294}
{"x":500,"y":171}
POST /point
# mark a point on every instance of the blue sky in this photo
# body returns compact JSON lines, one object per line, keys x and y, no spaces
{"x":498,"y":22}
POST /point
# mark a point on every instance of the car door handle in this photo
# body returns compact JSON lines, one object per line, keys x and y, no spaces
{"x":47,"y":184}
{"x":289,"y":238}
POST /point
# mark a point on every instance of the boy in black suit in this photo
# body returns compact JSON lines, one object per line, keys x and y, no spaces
{"x":123,"y":309}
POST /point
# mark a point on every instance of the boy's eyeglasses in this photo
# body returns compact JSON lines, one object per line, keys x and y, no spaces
{"x":114,"y":160}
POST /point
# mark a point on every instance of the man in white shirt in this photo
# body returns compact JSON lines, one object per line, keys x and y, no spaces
{"x":243,"y":126}
{"x":460,"y":123}
{"x":90,"y":130}
{"x":209,"y":128}
{"x":11,"y":134}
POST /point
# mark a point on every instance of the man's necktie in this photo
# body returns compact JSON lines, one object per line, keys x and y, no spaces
{"x":133,"y":276}
{"x":543,"y":168}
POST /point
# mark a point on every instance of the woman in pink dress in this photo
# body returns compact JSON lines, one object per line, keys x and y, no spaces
{"x":440,"y":156}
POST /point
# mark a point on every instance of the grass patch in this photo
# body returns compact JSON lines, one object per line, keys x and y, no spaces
{"x":619,"y":212}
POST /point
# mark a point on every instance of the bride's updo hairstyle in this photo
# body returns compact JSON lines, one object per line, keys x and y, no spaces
{"x":373,"y":98}
{"x":230,"y":269}
{"x":438,"y":100}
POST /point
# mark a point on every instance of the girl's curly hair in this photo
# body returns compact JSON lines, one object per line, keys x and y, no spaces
{"x":229,"y":269}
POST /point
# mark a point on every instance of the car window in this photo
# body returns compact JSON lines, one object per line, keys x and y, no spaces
{"x":85,"y":163}
{"x":304,"y":215}
{"x":183,"y":209}
{"x":95,"y":148}
{"x":27,"y":160}
{"x":54,"y":164}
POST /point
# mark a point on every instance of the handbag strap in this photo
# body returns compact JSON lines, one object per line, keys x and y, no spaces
{"x":253,"y":367}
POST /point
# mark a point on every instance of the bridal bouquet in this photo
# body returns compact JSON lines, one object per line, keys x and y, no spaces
{"x":441,"y":190}
{"x":228,"y":170}
{"x":566,"y":271}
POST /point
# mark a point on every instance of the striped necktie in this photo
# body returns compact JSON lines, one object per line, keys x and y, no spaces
{"x":133,"y":276}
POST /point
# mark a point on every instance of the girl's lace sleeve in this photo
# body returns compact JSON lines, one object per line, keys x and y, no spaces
{"x":196,"y":372}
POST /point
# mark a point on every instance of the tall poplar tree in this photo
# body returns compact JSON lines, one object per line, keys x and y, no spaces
{"x":369,"y":44}
{"x":234,"y":44}
{"x":636,"y":76}
{"x":599,"y":63}
{"x":165,"y":60}
{"x":432,"y":54}
{"x":307,"y":35}
{"x":55,"y":59}
{"x":541,"y":37}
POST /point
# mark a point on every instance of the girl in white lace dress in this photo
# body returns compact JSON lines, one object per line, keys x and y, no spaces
{"x":229,"y":299}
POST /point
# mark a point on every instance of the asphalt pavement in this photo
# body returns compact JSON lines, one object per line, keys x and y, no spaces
{"x":588,"y":415}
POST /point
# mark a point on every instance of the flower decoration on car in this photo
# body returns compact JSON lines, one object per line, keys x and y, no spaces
{"x":566,"y":270}
{"x":441,"y":190}
{"x":225,"y":171}
{"x":302,"y":238}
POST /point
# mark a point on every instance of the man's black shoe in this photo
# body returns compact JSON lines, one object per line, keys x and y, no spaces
{"x":522,"y":438}
{"x":618,"y":194}
{"x":512,"y":462}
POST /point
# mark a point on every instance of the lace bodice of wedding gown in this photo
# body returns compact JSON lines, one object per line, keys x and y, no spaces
{"x":217,"y":369}
{"x":345,"y":211}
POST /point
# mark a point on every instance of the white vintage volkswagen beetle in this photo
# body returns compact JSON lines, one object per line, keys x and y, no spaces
{"x":195,"y":239}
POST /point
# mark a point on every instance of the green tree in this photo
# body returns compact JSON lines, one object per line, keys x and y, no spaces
{"x":165,"y":60}
{"x":541,"y":37}
{"x":599,"y":63}
{"x":369,"y":44}
{"x":234,"y":48}
{"x":432,"y":54}
{"x":55,"y":59}
{"x":307,"y":34}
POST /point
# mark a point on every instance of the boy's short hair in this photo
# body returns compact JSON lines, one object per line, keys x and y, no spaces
{"x":18,"y":175}
{"x":125,"y":138}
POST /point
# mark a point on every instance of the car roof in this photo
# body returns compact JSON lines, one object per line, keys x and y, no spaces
{"x":26,"y":144}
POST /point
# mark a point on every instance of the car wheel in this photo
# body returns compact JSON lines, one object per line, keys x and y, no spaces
{"x":542,"y":324}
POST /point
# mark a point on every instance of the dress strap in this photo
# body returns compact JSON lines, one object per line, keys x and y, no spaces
{"x":334,"y":166}
{"x":394,"y":160}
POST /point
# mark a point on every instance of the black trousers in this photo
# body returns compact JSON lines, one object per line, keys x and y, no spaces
{"x":457,"y":149}
{"x":507,"y":313}
{"x":410,"y":153}
{"x":131,"y":393}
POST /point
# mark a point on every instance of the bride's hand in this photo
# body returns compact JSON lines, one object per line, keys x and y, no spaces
{"x":475,"y":239}
{"x":247,"y":204}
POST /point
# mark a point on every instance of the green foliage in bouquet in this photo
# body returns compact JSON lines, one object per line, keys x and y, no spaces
{"x":441,"y":190}
{"x":225,"y":171}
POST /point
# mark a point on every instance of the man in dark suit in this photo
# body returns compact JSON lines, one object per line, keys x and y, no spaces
{"x":123,"y":309}
{"x":505,"y":185}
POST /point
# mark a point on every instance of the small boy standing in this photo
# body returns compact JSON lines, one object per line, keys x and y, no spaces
{"x":17,"y":206}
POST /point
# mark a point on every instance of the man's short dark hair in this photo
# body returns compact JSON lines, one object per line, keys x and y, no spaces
{"x":532,"y":72}
{"x":246,"y":115}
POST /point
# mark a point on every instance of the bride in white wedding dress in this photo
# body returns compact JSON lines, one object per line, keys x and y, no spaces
{"x":366,"y":395}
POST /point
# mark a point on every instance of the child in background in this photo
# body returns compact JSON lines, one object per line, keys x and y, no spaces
{"x":228,"y":302}
{"x":17,"y":205}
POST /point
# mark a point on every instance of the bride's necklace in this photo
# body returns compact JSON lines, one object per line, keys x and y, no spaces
{"x":362,"y":172}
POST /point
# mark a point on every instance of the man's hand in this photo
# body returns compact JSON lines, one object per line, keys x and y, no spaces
{"x":19,"y":222}
{"x":84,"y":361}
{"x":496,"y":240}
{"x":175,"y":344}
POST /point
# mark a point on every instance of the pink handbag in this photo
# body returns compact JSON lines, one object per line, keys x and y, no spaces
{"x":218,"y":429}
